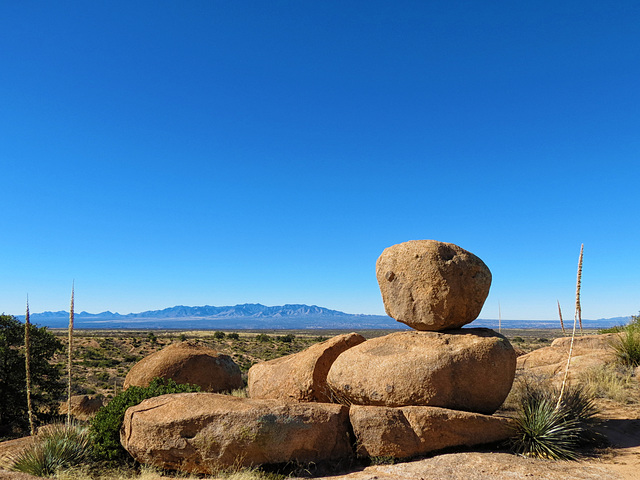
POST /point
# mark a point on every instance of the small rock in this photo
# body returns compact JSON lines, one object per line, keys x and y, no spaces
{"x":187,"y":363}
{"x":83,"y":407}
{"x":301,"y":377}
{"x":431,"y":285}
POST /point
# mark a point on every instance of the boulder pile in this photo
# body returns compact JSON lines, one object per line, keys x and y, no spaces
{"x":400,"y":395}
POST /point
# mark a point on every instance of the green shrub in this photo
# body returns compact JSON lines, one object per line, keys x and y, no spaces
{"x":287,"y":338}
{"x":218,"y":335}
{"x":105,"y":426}
{"x":263,"y":337}
{"x":59,"y":447}
{"x":46,"y":387}
{"x":233,"y":336}
{"x":627,"y":346}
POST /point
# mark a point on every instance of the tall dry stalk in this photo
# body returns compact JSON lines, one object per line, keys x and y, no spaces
{"x":70,"y":355}
{"x":573,"y":334}
{"x":578,"y":305}
{"x":560,"y":315}
{"x":27,"y":365}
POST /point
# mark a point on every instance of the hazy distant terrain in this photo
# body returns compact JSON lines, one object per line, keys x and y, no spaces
{"x":257,"y":316}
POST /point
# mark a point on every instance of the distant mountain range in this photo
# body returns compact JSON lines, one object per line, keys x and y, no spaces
{"x":257,"y":316}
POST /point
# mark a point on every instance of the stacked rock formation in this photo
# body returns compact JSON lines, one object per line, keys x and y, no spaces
{"x":401,"y":395}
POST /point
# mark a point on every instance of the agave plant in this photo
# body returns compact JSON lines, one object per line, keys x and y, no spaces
{"x":58,"y":447}
{"x":542,"y":430}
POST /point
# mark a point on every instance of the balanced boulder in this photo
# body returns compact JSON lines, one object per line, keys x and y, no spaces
{"x":467,"y":369}
{"x":300,"y":377}
{"x":408,"y":431}
{"x":187,"y":362}
{"x":200,"y":432}
{"x":431,"y":285}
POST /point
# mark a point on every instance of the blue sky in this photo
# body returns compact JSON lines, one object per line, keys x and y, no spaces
{"x":208,"y":152}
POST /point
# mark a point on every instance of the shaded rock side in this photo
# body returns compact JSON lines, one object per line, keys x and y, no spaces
{"x":301,"y":377}
{"x":467,"y":369}
{"x":431,"y":285}
{"x":589,"y":351}
{"x":83,"y":407}
{"x":199,"y":432}
{"x":186,"y":362}
{"x":409,"y":431}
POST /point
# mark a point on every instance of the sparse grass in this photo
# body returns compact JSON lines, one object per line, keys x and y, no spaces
{"x":614,"y":382}
{"x":59,"y":447}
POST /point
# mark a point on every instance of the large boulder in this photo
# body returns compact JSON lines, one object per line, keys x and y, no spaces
{"x":83,"y":407}
{"x":467,"y":369}
{"x":409,"y":431}
{"x":589,"y":352}
{"x":187,"y":362}
{"x":200,"y":432}
{"x":431,"y":285}
{"x":301,"y":377}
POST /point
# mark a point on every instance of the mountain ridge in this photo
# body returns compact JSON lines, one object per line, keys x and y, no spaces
{"x":258,"y":316}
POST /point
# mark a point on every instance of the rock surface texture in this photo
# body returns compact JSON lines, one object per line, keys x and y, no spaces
{"x":187,"y":363}
{"x":301,"y":377}
{"x":467,"y":369}
{"x":431,"y":285}
{"x":589,"y":351}
{"x":198,"y":432}
{"x":408,"y":431}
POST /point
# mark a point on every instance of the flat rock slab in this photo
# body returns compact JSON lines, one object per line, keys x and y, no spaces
{"x":470,"y":369}
{"x":431,"y":285}
{"x":199,"y":432}
{"x":409,"y":431}
{"x":301,"y":377}
{"x":186,"y":362}
{"x":482,"y":466}
{"x":589,"y":352}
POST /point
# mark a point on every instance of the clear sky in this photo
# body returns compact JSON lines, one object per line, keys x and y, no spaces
{"x":165,"y":153}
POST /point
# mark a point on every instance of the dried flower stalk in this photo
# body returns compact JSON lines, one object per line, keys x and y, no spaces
{"x":27,"y":362}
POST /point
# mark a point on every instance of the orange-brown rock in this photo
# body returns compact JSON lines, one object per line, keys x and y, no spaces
{"x":83,"y":407}
{"x":199,"y":432}
{"x":187,"y":362}
{"x":467,"y":369}
{"x":431,"y":285}
{"x":589,"y":351}
{"x":301,"y":377}
{"x":409,"y":431}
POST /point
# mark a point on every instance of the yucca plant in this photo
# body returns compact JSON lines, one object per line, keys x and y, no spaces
{"x":542,"y":430}
{"x":58,"y":447}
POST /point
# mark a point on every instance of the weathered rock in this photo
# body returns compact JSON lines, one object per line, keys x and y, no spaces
{"x":467,"y":369}
{"x":198,"y":432}
{"x":186,"y":362}
{"x":301,"y":377}
{"x":409,"y":431}
{"x":589,"y":351}
{"x":431,"y":285}
{"x":83,"y":407}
